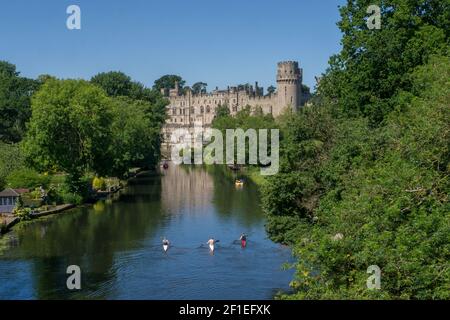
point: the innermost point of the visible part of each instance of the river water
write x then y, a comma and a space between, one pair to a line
117, 244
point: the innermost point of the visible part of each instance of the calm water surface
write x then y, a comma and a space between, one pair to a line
117, 244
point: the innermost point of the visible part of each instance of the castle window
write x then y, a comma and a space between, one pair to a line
202, 110
208, 109
174, 111
192, 110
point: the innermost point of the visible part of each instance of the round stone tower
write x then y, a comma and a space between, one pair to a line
289, 81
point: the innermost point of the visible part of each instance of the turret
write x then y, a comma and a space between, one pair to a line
289, 80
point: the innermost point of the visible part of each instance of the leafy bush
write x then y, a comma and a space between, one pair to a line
99, 183
71, 198
61, 194
27, 178
11, 159
384, 190
23, 214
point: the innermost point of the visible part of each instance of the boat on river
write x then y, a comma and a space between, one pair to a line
239, 183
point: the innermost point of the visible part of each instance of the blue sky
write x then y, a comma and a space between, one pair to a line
220, 42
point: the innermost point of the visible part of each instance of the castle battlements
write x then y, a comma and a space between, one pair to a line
187, 110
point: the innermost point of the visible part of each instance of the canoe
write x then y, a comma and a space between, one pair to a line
211, 246
165, 247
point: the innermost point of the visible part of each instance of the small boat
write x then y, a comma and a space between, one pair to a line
239, 183
165, 247
211, 247
243, 243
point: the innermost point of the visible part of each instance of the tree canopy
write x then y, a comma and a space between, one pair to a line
199, 87
15, 95
168, 82
373, 65
364, 172
69, 127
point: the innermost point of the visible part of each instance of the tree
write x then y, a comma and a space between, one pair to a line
271, 90
222, 111
199, 87
70, 129
135, 136
9, 152
118, 84
114, 83
15, 94
168, 82
373, 64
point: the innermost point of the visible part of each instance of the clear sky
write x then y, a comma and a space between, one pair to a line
220, 42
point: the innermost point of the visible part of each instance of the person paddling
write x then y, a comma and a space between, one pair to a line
211, 243
243, 239
166, 244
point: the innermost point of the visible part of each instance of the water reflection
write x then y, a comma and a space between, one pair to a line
117, 244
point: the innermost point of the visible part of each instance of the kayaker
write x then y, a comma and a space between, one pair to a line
165, 242
211, 242
243, 239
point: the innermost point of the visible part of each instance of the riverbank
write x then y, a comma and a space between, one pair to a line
8, 221
118, 245
254, 174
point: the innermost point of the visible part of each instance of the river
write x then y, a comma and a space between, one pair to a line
117, 244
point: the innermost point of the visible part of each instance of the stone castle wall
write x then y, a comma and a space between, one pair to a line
187, 110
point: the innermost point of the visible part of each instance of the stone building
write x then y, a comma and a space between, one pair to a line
187, 110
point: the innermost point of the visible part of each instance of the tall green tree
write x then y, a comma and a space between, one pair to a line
373, 65
199, 87
271, 90
15, 95
168, 82
114, 83
70, 129
118, 84
135, 136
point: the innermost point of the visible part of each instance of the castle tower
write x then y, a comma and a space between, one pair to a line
289, 81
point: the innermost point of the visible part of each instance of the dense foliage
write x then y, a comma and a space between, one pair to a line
106, 126
15, 94
8, 152
244, 119
168, 82
365, 171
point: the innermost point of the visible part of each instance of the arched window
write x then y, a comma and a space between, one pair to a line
192, 110
208, 109
202, 110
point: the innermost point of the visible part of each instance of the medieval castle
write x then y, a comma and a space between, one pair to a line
188, 110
